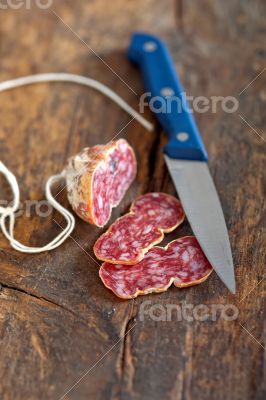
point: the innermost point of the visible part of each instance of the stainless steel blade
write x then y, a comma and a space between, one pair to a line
202, 206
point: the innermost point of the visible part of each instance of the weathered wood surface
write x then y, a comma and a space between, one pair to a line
57, 321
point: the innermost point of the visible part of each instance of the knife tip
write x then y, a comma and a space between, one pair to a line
231, 286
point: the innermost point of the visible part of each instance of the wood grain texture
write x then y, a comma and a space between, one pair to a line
58, 325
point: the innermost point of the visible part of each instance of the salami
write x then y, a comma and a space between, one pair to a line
182, 262
97, 179
132, 235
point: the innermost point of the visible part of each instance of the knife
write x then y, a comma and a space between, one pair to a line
185, 154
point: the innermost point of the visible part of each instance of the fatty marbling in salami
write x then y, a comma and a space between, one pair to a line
182, 262
97, 179
132, 235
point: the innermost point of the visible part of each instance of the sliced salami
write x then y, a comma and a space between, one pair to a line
131, 236
182, 262
97, 179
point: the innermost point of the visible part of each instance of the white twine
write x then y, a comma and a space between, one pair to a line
7, 214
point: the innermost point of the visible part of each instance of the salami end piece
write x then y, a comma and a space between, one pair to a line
182, 262
97, 179
131, 236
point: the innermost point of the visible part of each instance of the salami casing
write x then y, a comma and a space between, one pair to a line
131, 236
182, 262
97, 179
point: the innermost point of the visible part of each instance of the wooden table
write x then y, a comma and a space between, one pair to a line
63, 334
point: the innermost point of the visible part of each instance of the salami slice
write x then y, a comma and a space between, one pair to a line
182, 262
97, 179
131, 236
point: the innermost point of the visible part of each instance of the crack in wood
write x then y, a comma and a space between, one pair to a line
153, 158
179, 13
125, 348
71, 127
43, 299
35, 296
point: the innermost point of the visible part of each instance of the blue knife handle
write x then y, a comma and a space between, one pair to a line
165, 95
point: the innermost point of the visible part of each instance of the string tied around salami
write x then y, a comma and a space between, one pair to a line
9, 213
95, 158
